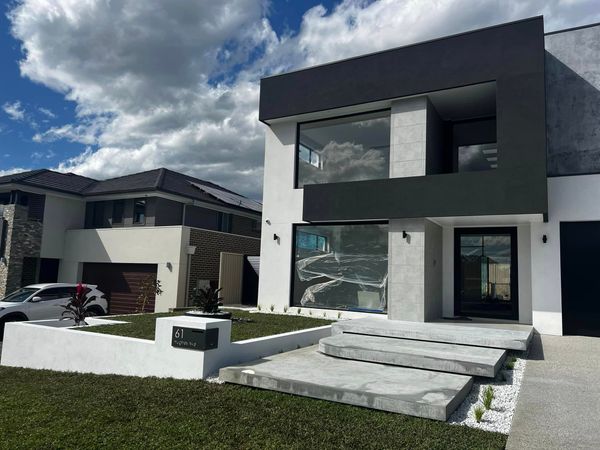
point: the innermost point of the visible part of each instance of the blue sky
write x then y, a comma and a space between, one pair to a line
105, 88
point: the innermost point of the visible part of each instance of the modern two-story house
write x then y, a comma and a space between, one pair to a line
118, 232
456, 178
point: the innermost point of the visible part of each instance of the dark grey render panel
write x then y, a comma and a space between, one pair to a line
198, 217
573, 101
512, 55
466, 194
506, 52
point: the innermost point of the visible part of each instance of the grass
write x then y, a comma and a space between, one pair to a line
142, 325
44, 409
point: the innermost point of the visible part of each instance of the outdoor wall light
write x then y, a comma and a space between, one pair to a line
268, 221
275, 237
404, 234
544, 238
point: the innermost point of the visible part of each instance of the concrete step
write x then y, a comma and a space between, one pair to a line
307, 372
510, 339
463, 359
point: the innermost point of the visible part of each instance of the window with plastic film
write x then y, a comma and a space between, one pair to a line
341, 267
349, 148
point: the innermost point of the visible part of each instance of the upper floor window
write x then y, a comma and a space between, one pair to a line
117, 213
139, 211
349, 148
477, 157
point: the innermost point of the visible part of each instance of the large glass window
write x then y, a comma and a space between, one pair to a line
341, 267
345, 149
472, 158
139, 211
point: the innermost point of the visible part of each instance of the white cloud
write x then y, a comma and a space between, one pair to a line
153, 81
14, 110
47, 112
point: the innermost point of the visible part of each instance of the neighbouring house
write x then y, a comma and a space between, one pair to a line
117, 232
458, 177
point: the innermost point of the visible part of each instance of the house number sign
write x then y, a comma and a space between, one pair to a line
195, 339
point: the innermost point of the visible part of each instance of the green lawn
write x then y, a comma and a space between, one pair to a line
142, 326
43, 409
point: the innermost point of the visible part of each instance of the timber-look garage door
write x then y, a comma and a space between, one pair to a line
580, 272
121, 284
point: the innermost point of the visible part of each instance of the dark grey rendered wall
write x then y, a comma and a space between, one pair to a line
573, 101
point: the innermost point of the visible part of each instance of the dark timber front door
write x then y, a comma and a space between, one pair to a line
580, 271
485, 272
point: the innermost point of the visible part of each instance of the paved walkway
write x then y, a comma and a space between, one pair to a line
559, 403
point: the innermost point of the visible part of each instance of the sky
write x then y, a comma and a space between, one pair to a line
104, 88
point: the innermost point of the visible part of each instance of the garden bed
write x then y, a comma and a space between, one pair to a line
253, 325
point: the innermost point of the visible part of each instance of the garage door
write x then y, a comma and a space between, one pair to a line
121, 283
580, 276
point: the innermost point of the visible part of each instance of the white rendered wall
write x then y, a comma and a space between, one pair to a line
50, 345
282, 206
60, 214
570, 199
164, 246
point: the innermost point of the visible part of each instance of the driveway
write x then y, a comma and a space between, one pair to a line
559, 402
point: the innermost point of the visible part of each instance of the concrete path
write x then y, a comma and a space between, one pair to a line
559, 402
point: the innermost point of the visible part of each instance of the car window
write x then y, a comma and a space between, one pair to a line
54, 293
19, 296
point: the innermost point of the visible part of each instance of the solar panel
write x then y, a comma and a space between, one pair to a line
230, 198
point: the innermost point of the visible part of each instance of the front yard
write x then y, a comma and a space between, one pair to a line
143, 325
43, 409
46, 409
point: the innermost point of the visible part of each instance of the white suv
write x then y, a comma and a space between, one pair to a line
43, 301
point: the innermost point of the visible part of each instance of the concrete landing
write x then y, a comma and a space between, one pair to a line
438, 332
466, 360
306, 372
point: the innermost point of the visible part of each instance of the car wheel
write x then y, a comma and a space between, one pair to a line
94, 312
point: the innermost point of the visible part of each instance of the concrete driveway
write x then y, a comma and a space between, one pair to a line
559, 402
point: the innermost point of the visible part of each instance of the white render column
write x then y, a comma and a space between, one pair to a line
414, 262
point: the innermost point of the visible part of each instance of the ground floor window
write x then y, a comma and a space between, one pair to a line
342, 266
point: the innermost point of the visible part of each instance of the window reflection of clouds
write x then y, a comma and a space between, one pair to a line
344, 149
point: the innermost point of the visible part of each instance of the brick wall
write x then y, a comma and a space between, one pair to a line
23, 239
209, 245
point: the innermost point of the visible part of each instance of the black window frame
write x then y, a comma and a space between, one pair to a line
344, 116
514, 269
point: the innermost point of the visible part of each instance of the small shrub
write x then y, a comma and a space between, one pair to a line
324, 315
207, 299
76, 307
510, 364
299, 311
478, 412
259, 307
488, 396
310, 313
339, 315
272, 308
149, 286
285, 309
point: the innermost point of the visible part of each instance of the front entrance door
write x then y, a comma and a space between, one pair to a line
485, 273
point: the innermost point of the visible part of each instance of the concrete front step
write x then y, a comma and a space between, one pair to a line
438, 332
307, 372
463, 359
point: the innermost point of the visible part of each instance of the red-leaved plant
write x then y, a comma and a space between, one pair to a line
76, 308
